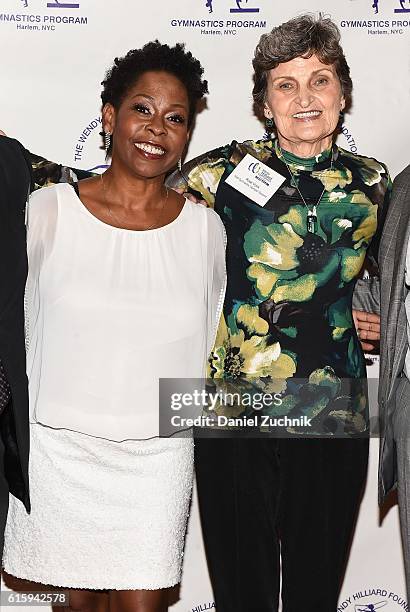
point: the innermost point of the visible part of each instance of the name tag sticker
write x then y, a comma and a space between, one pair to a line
255, 180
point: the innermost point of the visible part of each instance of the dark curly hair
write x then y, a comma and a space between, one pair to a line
302, 36
156, 57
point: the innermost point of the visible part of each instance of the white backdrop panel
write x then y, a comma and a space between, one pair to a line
54, 55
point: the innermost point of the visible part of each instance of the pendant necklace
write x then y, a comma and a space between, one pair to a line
312, 212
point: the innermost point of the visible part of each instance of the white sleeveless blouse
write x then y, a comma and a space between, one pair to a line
109, 311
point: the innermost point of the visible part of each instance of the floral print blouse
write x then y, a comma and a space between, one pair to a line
287, 322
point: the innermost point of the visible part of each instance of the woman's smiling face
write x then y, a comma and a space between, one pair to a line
304, 97
150, 128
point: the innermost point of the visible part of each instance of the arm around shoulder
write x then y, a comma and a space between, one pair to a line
200, 177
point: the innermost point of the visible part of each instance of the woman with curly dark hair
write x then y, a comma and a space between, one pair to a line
124, 287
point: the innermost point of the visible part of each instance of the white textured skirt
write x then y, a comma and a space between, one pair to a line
105, 515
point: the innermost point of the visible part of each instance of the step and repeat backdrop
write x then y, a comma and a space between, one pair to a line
54, 56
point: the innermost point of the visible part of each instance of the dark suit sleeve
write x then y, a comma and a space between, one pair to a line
15, 180
366, 296
16, 167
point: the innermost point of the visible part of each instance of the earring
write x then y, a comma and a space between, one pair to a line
269, 124
180, 165
107, 141
341, 118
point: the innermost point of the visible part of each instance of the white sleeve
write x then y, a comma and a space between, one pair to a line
216, 274
41, 228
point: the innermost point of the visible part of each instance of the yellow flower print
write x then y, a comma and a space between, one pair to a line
249, 317
271, 250
299, 290
352, 422
282, 369
264, 278
234, 357
334, 178
351, 263
326, 377
205, 179
338, 332
370, 170
296, 217
366, 229
277, 245
337, 196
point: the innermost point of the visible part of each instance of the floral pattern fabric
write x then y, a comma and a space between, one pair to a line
287, 322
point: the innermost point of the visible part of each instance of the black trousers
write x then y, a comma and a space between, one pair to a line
269, 505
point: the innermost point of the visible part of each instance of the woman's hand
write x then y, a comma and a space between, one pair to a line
368, 329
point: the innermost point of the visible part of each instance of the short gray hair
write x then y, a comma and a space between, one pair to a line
302, 36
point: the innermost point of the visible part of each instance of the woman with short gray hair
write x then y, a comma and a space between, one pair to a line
303, 37
289, 500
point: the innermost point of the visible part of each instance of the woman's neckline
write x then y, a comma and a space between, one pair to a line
302, 163
124, 229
